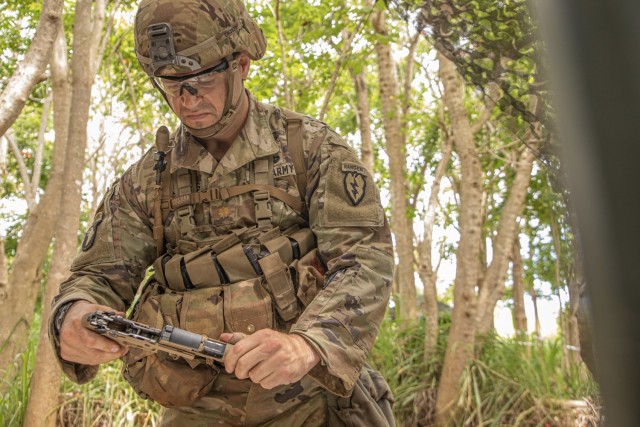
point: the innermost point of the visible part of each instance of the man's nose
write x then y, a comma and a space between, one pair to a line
188, 99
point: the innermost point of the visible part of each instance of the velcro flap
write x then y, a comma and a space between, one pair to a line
282, 246
280, 285
236, 265
173, 274
228, 242
305, 239
201, 268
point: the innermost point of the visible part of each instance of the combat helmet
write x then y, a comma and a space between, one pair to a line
174, 37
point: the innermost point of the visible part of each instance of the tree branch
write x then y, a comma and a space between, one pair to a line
22, 167
37, 167
28, 71
492, 99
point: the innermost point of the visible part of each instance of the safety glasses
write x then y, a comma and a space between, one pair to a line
203, 81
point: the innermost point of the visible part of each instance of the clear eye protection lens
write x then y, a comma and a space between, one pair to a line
201, 82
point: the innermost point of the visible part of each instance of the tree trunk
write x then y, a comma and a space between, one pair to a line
562, 322
87, 30
400, 223
519, 314
289, 99
493, 285
462, 333
45, 383
18, 87
40, 223
4, 272
425, 264
576, 284
363, 116
536, 313
573, 334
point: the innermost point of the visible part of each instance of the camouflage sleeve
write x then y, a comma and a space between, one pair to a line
354, 241
112, 260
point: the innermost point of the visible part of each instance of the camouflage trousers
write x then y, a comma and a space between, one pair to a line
234, 402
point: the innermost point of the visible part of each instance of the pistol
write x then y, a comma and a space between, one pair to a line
174, 341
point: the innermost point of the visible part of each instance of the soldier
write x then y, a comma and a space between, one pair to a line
263, 229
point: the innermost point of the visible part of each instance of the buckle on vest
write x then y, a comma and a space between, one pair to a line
263, 209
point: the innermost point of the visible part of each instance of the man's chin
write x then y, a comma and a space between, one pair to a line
199, 123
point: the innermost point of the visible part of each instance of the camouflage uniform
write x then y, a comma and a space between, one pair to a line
339, 317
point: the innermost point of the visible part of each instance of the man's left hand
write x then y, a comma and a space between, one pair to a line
268, 357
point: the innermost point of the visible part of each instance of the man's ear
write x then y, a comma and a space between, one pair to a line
244, 62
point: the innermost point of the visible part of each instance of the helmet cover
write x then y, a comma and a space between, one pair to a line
174, 37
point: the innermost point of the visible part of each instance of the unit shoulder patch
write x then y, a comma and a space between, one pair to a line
90, 237
355, 186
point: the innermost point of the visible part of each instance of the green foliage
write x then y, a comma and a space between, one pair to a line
490, 42
17, 380
107, 400
510, 382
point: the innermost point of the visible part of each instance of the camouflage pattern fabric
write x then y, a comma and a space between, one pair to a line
341, 317
208, 31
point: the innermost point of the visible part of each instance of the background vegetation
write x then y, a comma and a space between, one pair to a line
446, 102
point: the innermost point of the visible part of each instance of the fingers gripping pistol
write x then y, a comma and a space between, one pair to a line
174, 341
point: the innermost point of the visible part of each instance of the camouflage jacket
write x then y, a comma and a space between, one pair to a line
341, 319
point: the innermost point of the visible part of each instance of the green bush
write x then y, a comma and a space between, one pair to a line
511, 382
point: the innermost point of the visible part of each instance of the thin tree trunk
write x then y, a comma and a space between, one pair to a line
32, 182
519, 313
493, 285
87, 30
29, 192
563, 316
573, 334
562, 321
425, 264
462, 333
344, 54
18, 87
400, 223
363, 115
282, 41
536, 313
4, 272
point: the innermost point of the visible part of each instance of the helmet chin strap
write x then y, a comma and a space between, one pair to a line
230, 109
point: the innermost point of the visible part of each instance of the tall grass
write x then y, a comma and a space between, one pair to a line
106, 401
511, 382
16, 381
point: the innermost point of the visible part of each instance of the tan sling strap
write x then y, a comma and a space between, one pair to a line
295, 140
162, 171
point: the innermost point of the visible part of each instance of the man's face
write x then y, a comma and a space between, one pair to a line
198, 99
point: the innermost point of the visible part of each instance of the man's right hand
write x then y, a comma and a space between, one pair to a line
81, 345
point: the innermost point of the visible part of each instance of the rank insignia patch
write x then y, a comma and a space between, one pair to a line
355, 185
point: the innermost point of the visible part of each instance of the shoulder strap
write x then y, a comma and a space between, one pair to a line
295, 138
162, 167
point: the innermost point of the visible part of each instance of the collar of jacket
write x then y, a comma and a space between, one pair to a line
254, 141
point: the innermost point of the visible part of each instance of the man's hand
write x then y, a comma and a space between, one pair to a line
79, 344
269, 358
